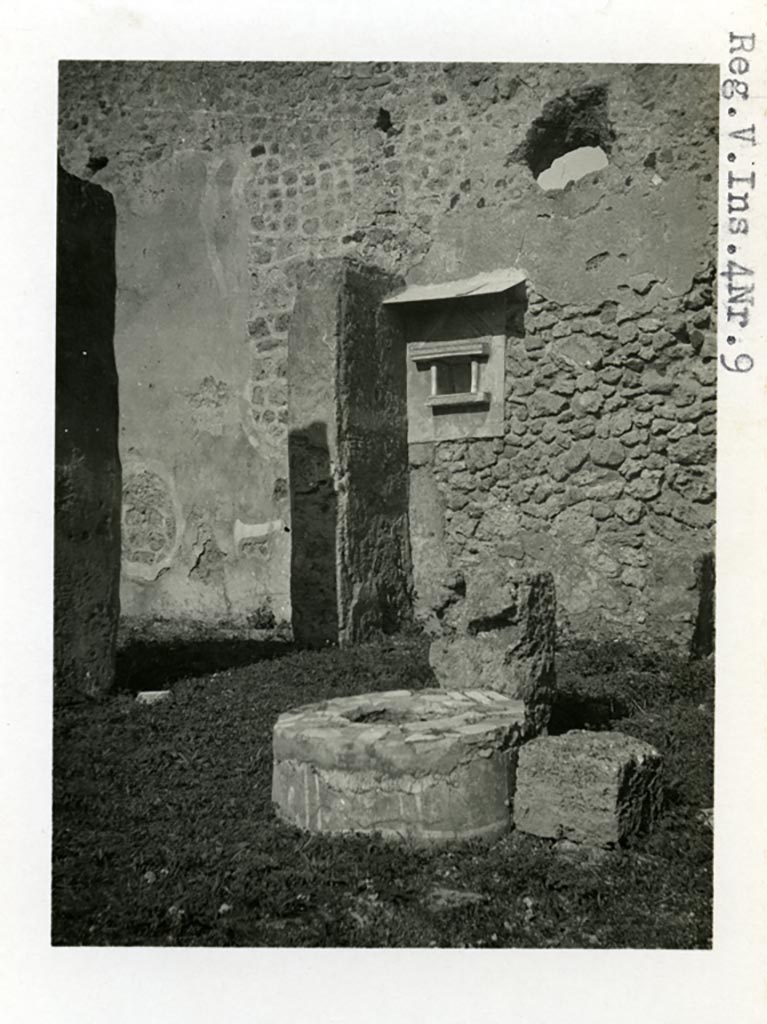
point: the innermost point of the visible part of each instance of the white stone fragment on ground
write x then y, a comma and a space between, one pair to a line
706, 817
428, 765
594, 788
153, 696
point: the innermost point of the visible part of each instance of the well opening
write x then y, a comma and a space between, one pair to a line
388, 716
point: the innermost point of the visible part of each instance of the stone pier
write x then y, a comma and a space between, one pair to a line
347, 447
88, 474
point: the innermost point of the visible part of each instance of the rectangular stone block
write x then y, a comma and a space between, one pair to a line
594, 788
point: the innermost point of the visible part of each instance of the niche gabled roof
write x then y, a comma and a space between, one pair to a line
489, 283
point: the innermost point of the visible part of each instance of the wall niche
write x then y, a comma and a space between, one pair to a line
456, 341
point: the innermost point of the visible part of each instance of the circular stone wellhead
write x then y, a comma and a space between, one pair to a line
431, 765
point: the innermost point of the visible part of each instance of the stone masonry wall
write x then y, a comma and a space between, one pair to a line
606, 472
428, 171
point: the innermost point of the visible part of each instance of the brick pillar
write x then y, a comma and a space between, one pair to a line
88, 476
350, 559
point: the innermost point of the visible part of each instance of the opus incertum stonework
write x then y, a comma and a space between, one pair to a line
395, 344
379, 323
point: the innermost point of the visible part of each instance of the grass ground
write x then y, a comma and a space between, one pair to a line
164, 832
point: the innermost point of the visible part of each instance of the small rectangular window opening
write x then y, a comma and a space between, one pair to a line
454, 377
455, 382
454, 371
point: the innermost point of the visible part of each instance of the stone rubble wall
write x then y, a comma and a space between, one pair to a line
605, 475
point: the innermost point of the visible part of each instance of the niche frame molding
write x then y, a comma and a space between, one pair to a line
456, 323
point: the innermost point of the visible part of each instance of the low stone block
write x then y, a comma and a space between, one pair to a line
425, 765
500, 636
594, 788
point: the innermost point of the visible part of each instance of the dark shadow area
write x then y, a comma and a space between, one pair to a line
459, 319
579, 711
383, 120
703, 635
454, 407
313, 587
88, 480
154, 665
516, 311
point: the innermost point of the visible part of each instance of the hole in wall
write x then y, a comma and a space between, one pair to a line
576, 121
595, 261
383, 121
97, 163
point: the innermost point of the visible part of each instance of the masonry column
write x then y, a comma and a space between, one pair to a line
88, 476
350, 558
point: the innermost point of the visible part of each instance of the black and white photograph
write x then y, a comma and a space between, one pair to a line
385, 504
386, 631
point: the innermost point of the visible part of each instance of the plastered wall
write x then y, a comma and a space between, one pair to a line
227, 177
